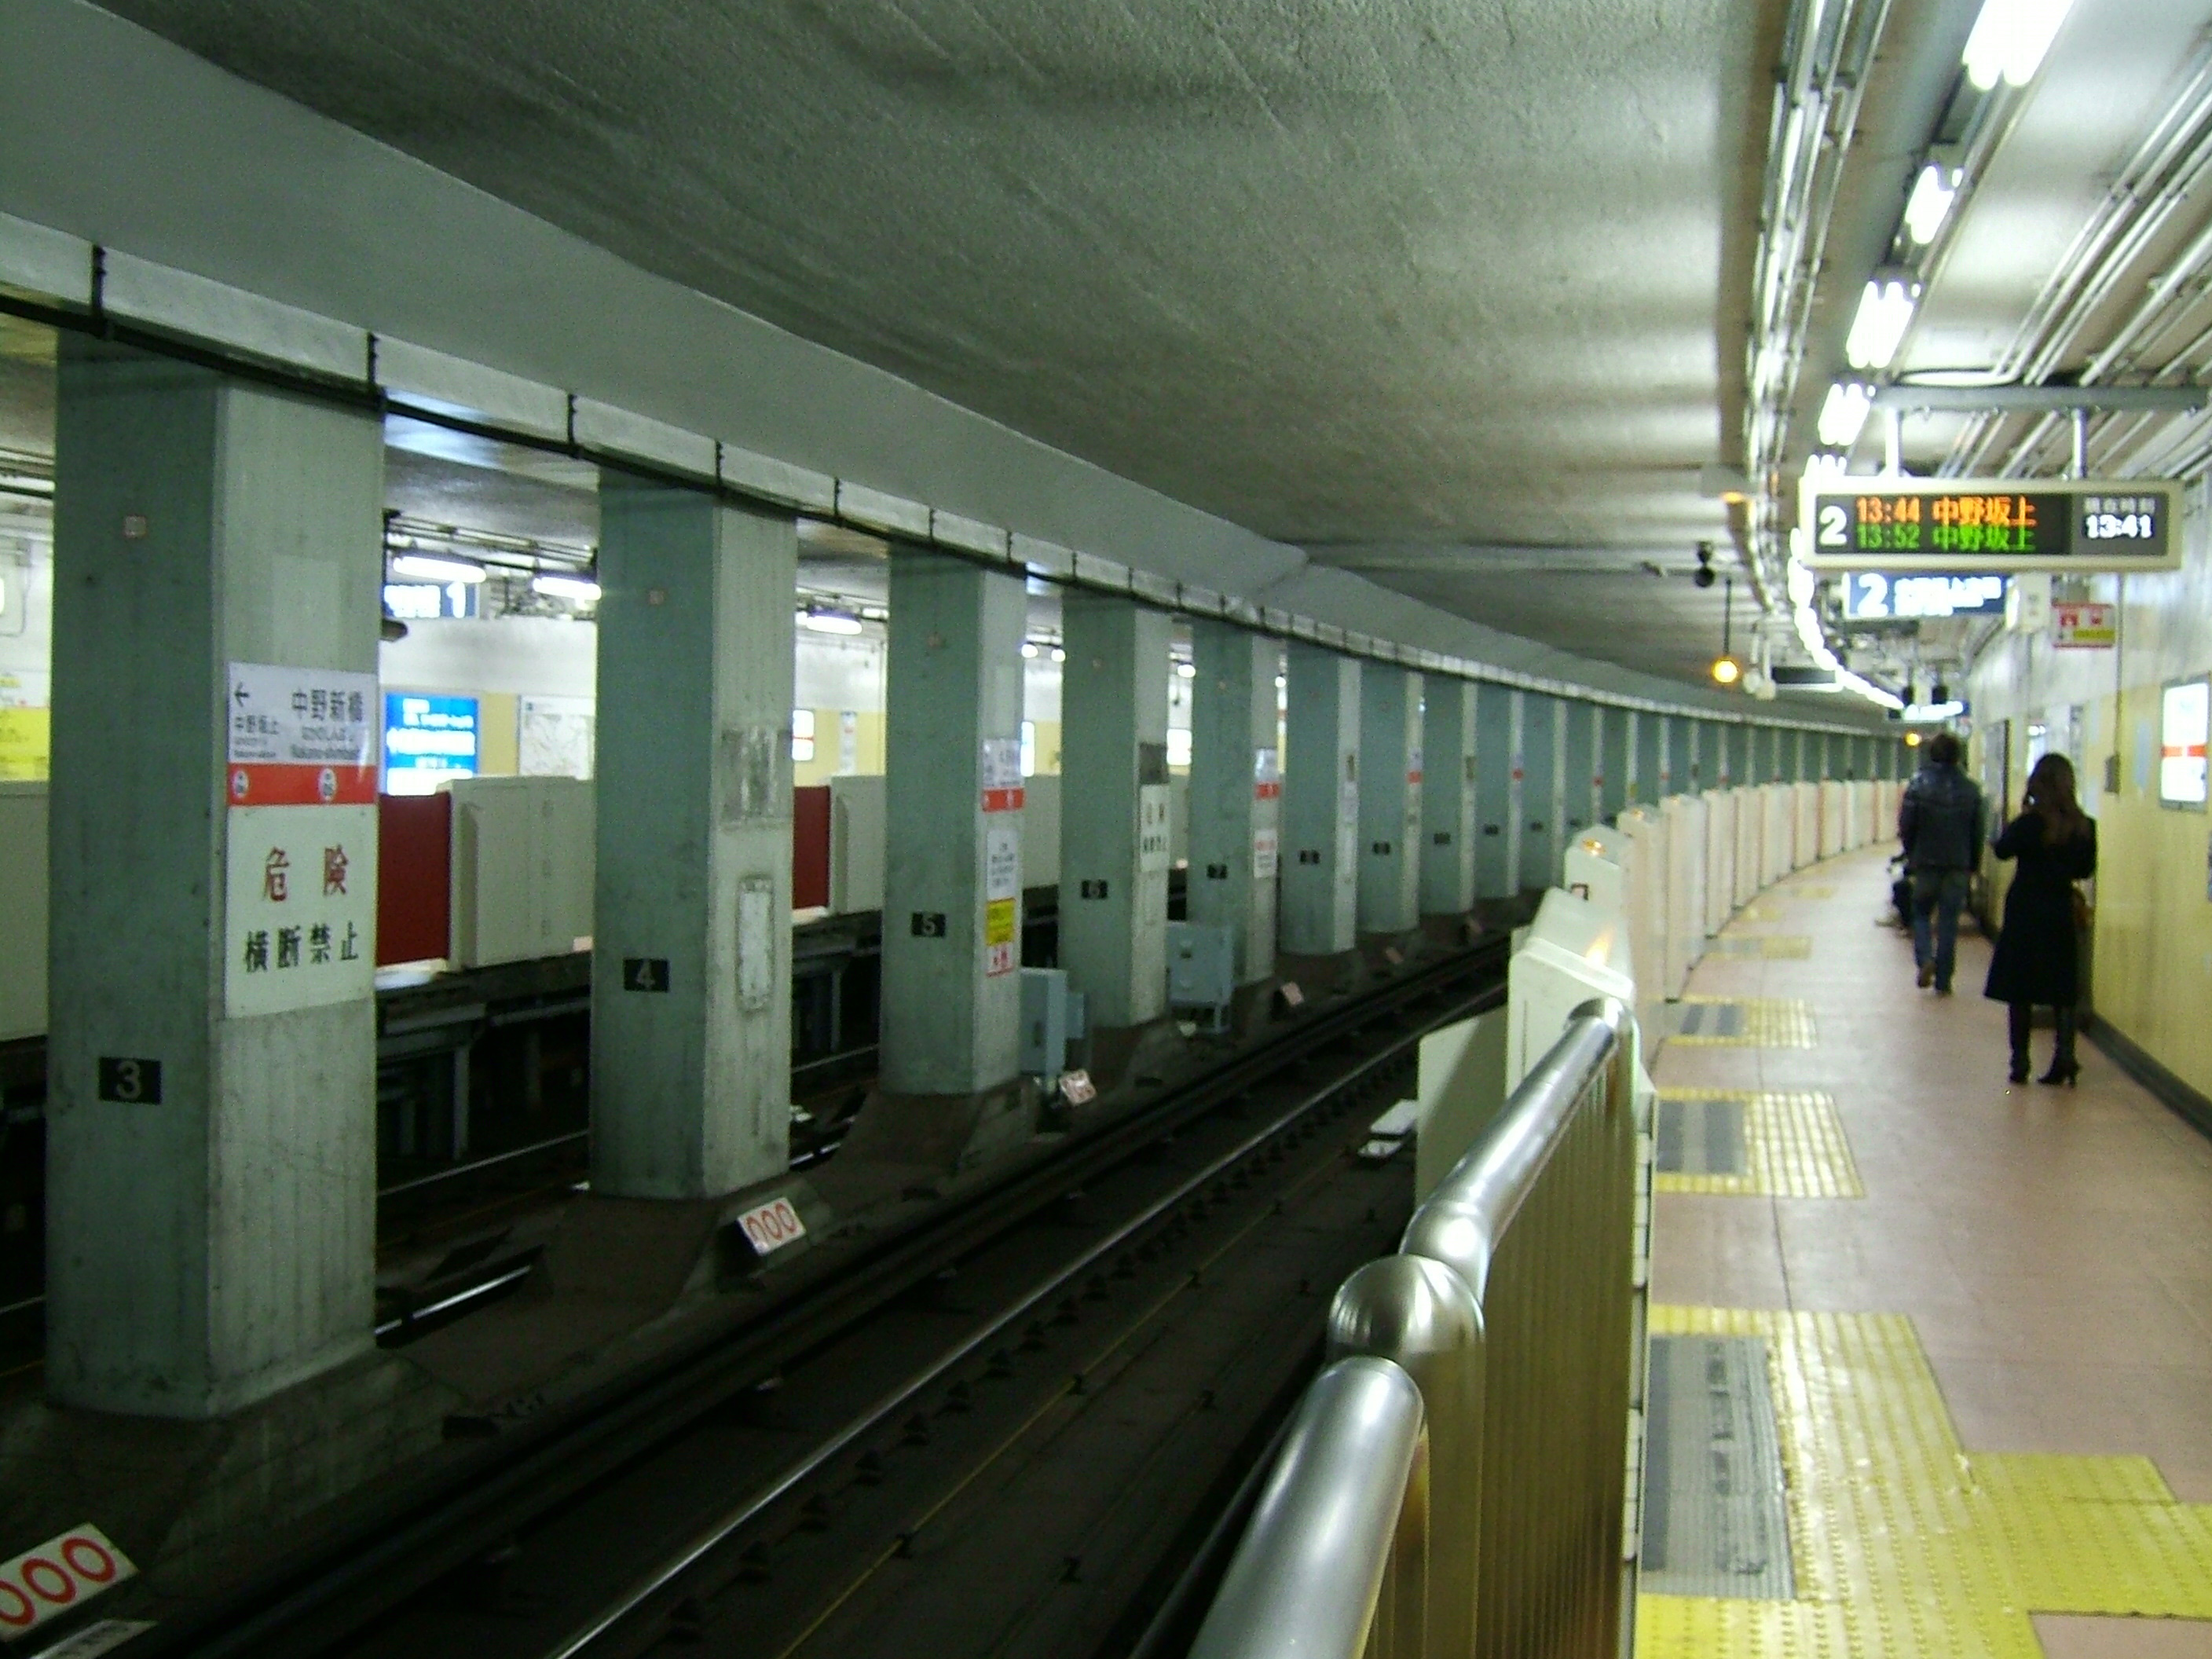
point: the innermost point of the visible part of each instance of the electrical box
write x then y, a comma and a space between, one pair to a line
1046, 1027
523, 858
1201, 970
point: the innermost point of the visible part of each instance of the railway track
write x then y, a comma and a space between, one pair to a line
1046, 1394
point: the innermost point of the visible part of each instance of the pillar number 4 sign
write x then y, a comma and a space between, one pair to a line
300, 856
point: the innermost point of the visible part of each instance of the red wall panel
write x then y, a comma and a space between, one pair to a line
809, 846
414, 851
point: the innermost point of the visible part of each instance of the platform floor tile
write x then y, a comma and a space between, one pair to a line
1741, 1021
1905, 1543
1794, 1146
1768, 947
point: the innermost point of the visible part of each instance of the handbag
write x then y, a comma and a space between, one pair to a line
2080, 907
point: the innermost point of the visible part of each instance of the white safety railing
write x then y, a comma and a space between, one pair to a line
1453, 1483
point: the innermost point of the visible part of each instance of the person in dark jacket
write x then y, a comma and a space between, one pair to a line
2037, 957
1939, 823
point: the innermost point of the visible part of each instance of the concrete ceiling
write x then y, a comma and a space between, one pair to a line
1461, 277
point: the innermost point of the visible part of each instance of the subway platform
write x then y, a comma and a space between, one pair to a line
1932, 1354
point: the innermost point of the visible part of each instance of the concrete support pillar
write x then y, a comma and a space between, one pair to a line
1236, 792
1541, 800
1617, 760
691, 986
1390, 801
952, 887
1694, 748
211, 1058
1450, 830
1673, 756
1114, 837
1577, 773
1497, 796
1321, 802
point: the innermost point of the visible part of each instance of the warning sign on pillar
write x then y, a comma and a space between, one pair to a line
300, 907
1267, 774
300, 737
1002, 892
1002, 775
57, 1578
1266, 854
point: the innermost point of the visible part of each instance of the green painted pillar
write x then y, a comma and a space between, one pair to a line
691, 946
953, 880
1114, 831
210, 1114
1236, 791
1451, 827
1321, 802
1390, 784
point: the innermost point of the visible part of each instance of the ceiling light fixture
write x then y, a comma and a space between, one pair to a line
1186, 671
830, 621
1885, 313
1929, 204
2010, 39
430, 568
1843, 413
1028, 650
578, 589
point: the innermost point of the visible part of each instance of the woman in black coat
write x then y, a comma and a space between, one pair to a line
2037, 957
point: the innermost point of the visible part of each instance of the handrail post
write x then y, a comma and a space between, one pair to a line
1421, 1316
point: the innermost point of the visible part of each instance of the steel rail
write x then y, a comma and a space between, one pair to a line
408, 1538
743, 1514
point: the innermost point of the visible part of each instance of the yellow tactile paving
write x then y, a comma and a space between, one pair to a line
1768, 1022
1794, 1147
1811, 891
1773, 947
1904, 1543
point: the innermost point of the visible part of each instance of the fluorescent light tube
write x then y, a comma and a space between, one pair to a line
1885, 313
1929, 204
1843, 413
2010, 39
581, 589
431, 568
830, 621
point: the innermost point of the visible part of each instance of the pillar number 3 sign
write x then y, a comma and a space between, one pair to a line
300, 853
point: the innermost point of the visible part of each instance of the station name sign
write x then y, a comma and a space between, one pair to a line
2001, 525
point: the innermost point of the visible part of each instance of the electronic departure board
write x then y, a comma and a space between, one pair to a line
1988, 523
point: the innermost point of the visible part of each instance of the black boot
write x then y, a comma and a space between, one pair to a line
2018, 1017
2064, 1068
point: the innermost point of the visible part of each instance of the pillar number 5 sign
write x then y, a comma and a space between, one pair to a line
300, 853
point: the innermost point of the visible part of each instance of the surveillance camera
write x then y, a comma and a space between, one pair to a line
1703, 576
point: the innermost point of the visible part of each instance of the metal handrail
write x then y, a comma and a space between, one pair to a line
1360, 1547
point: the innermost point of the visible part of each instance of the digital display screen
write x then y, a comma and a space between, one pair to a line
1885, 596
2006, 524
427, 740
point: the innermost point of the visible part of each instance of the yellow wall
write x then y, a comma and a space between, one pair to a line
25, 744
869, 757
2151, 972
499, 734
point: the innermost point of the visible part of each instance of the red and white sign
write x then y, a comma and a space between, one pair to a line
1002, 775
2083, 626
1077, 1089
57, 1576
1267, 776
772, 1225
300, 737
